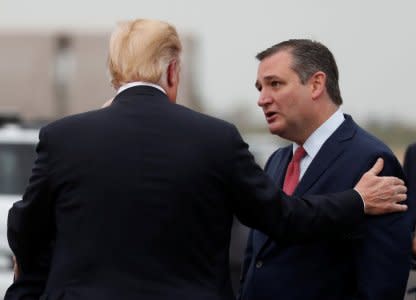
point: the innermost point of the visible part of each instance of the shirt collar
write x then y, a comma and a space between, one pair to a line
139, 83
315, 141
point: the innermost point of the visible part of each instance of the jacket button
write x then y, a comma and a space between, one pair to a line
259, 264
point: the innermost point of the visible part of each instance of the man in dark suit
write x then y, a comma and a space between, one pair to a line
135, 201
409, 167
300, 97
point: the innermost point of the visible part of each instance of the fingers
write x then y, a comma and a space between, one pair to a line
394, 180
386, 209
399, 197
396, 185
397, 190
401, 189
395, 207
381, 194
377, 167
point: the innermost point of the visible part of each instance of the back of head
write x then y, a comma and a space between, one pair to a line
310, 57
141, 50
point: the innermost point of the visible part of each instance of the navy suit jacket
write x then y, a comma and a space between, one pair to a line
136, 201
409, 167
370, 263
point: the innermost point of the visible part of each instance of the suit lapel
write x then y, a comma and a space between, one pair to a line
276, 169
329, 152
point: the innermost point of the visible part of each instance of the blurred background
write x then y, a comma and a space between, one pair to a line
53, 63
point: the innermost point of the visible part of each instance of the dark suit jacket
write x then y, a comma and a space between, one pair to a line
409, 167
135, 201
372, 263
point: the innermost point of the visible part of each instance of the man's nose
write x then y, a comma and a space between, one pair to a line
264, 99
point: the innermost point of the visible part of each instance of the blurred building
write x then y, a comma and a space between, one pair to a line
47, 75
26, 79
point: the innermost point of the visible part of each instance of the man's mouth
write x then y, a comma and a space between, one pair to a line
270, 116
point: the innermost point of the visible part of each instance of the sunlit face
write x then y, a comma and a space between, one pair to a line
283, 98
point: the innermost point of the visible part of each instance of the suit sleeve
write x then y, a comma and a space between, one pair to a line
258, 203
248, 257
248, 254
383, 254
30, 230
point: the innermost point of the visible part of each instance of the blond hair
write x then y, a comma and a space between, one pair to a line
141, 50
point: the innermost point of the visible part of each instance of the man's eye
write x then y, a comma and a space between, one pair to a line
275, 83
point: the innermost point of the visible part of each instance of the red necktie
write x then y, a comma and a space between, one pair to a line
293, 171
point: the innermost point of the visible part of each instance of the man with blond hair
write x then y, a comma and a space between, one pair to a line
136, 200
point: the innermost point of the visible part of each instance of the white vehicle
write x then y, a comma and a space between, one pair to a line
17, 153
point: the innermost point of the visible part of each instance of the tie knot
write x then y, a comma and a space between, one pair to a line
299, 154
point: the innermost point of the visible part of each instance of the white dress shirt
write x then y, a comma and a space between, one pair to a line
139, 83
315, 141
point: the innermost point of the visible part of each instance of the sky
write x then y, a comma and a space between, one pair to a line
374, 43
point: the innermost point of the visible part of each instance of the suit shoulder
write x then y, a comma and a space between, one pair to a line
369, 147
200, 120
201, 117
70, 121
367, 140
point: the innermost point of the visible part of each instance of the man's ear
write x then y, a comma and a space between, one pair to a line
172, 80
173, 73
318, 84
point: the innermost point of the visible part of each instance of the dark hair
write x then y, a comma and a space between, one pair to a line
310, 57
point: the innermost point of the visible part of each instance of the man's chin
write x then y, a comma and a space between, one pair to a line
276, 130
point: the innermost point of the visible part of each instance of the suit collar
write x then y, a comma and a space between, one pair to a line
330, 150
142, 91
139, 83
315, 141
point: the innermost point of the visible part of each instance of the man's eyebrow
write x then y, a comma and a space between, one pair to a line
270, 77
